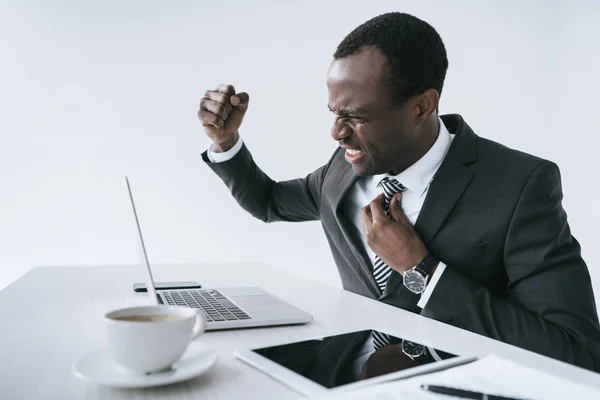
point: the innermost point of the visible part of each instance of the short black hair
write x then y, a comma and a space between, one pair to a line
415, 52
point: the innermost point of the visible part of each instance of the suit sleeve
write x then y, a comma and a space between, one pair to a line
550, 308
294, 200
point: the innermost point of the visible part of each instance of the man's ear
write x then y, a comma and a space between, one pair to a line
427, 103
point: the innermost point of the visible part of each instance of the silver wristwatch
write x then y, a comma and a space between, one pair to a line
413, 350
415, 279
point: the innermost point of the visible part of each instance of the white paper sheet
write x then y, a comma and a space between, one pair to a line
491, 375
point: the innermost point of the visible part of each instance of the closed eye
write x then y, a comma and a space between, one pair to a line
347, 114
353, 117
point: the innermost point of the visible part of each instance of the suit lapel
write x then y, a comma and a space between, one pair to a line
445, 190
347, 179
450, 181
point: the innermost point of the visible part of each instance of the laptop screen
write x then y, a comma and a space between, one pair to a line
142, 247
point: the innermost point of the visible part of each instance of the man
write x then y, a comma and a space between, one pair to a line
419, 211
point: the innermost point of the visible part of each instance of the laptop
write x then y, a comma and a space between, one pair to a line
225, 308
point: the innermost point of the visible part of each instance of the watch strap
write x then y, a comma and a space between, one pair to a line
426, 266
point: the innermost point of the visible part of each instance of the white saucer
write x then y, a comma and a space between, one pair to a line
98, 368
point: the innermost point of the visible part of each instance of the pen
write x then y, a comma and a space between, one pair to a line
465, 394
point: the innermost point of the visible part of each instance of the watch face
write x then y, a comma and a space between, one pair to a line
413, 350
414, 281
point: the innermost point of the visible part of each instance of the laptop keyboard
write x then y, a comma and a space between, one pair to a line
216, 307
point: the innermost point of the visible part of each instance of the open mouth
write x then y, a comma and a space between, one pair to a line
353, 156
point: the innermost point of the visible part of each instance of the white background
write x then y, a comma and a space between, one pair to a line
90, 91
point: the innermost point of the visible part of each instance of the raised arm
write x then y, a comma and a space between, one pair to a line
222, 112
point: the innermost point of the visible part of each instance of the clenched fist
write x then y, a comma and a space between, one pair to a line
221, 113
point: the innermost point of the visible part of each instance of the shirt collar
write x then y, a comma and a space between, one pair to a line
417, 177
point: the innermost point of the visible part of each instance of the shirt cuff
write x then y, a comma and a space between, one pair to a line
215, 157
431, 285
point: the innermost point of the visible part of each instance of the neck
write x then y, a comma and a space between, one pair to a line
425, 138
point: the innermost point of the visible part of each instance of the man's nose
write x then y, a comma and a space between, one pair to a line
340, 131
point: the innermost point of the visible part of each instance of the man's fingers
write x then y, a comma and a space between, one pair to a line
208, 118
218, 97
227, 89
241, 100
376, 207
215, 108
364, 226
365, 219
396, 210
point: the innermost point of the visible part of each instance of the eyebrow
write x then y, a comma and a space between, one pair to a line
349, 111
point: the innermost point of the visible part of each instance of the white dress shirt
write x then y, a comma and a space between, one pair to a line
415, 178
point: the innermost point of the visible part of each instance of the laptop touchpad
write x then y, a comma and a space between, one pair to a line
258, 301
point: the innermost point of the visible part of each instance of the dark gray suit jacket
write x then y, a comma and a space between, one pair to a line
492, 214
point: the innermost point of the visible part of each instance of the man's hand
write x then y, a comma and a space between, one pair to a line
395, 241
221, 113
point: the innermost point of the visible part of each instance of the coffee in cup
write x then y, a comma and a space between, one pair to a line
150, 339
147, 318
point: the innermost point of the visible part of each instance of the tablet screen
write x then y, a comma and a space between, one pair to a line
339, 360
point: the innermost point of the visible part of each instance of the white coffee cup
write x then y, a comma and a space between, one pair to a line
151, 338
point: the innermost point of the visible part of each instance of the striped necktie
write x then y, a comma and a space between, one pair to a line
381, 271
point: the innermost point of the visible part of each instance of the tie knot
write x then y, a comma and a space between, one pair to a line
390, 187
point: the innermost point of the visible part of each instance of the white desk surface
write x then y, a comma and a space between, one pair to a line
53, 315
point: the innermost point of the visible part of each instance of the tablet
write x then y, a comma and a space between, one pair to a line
348, 361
